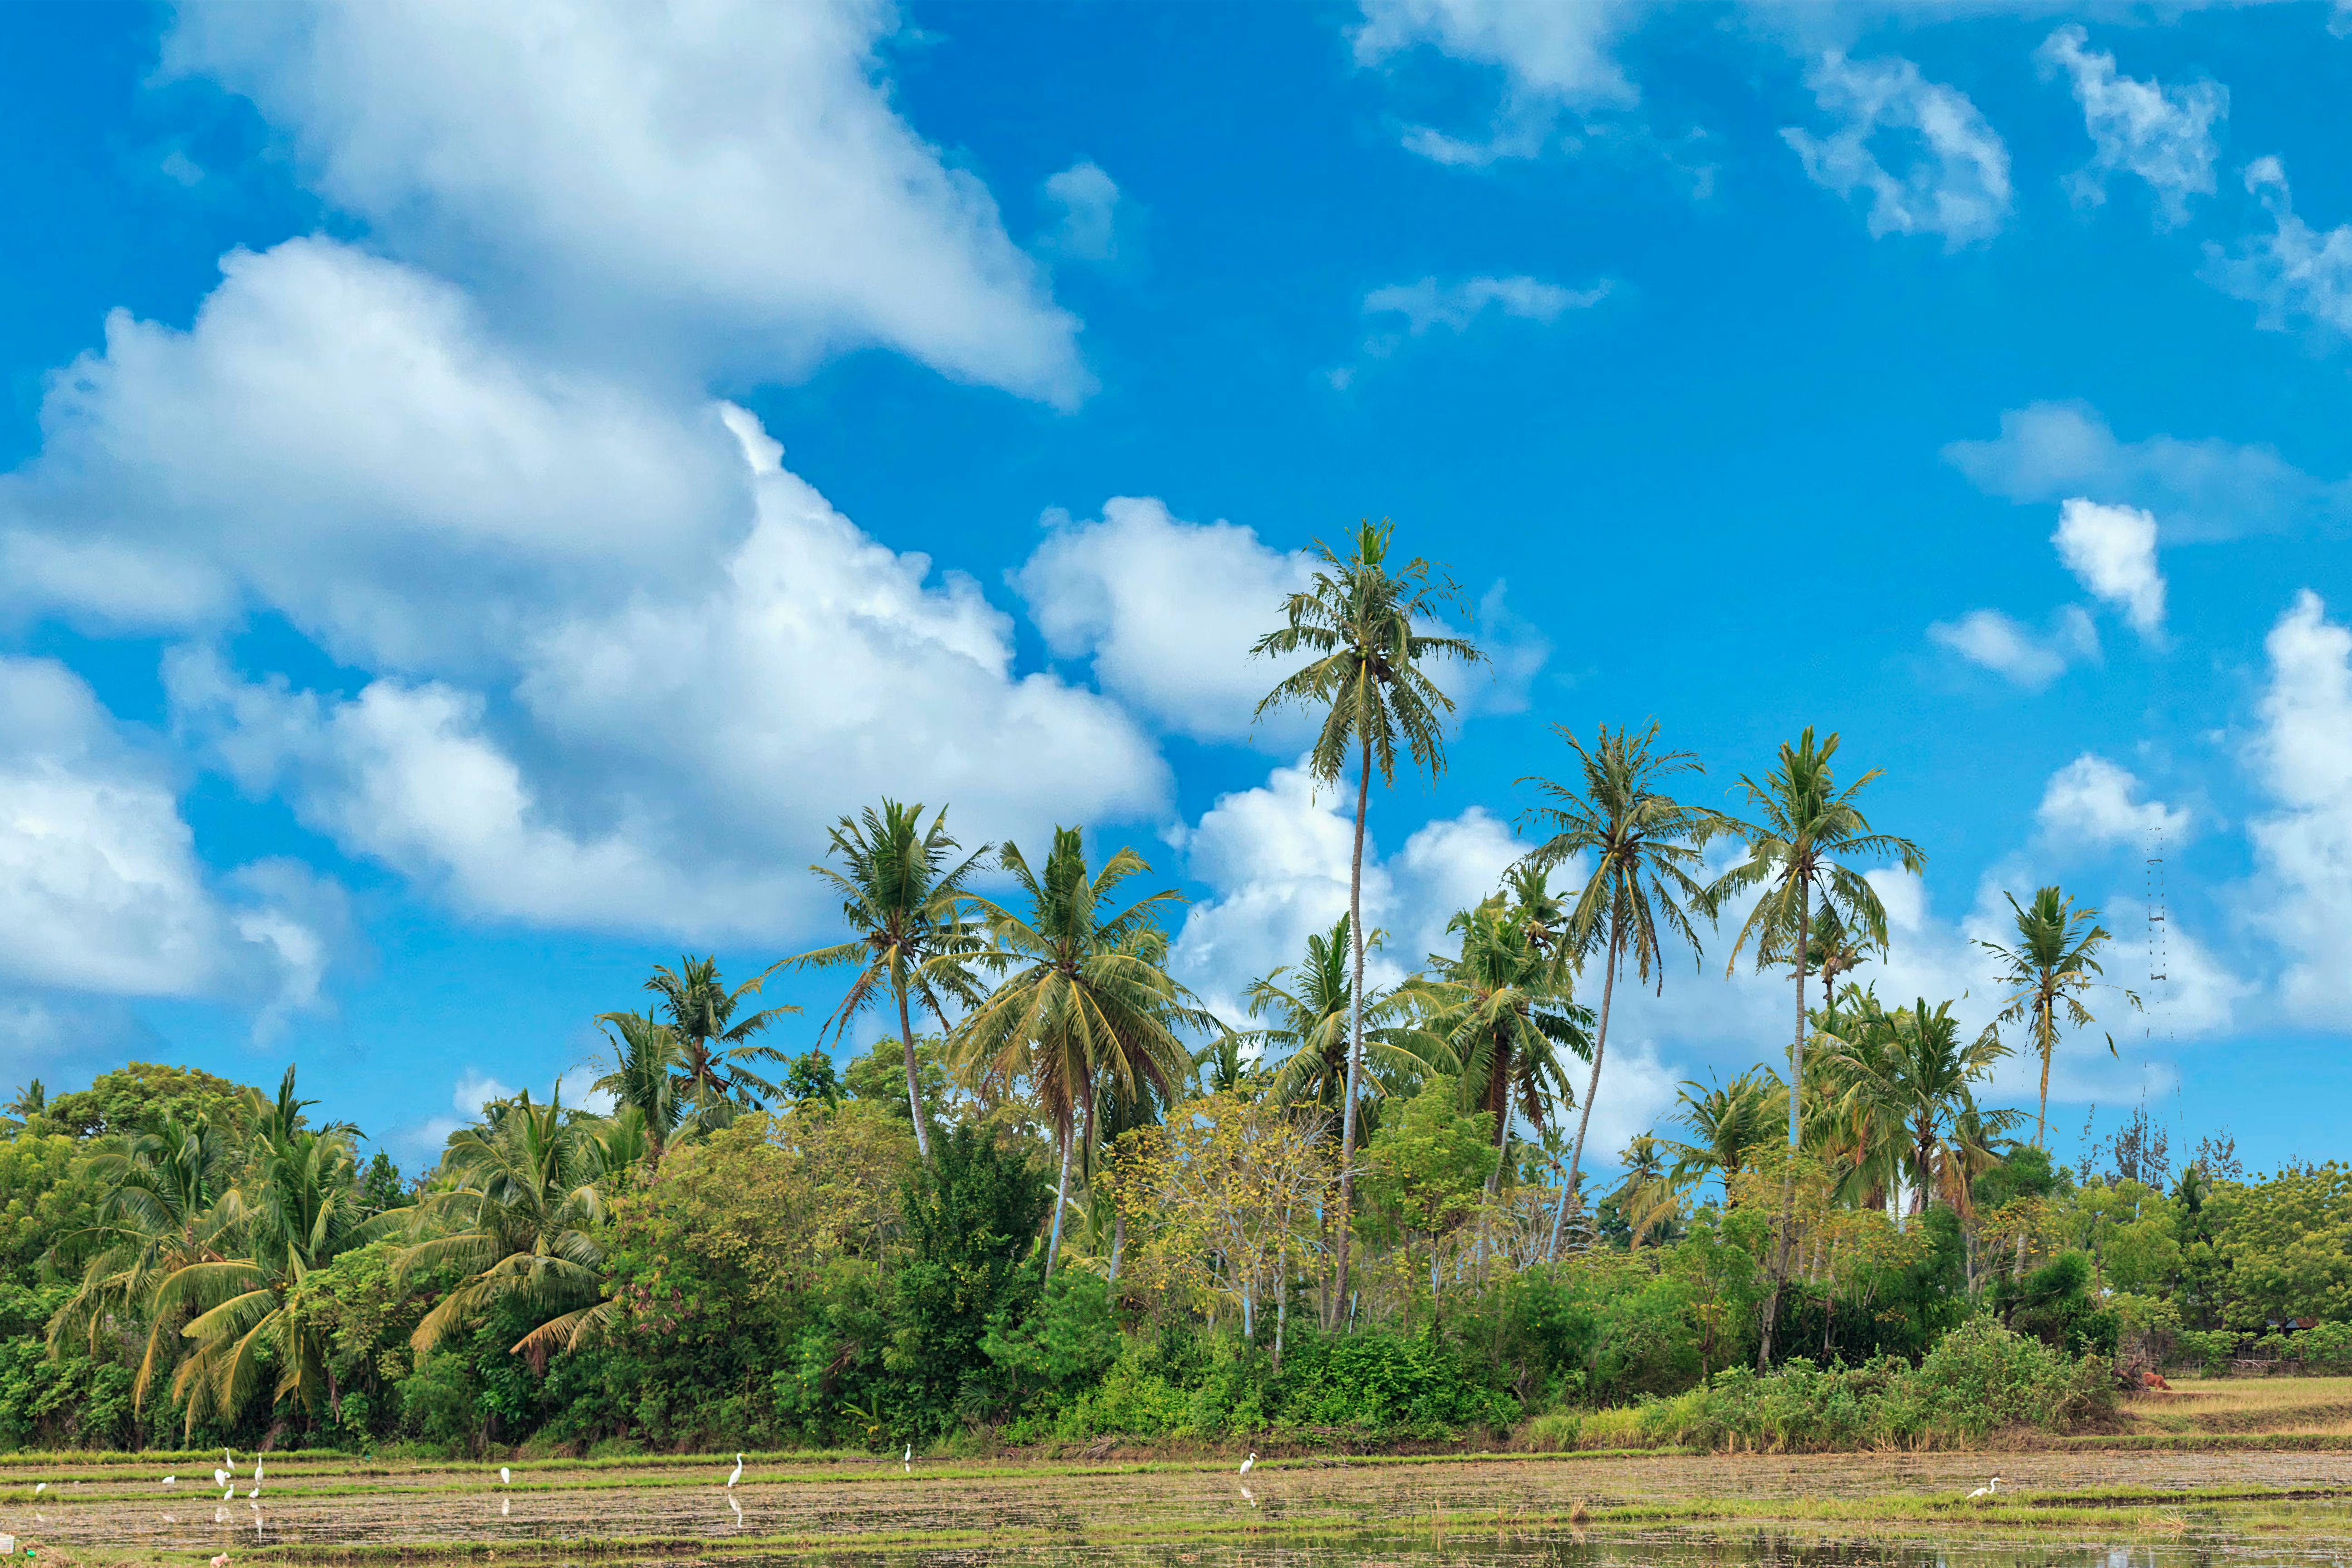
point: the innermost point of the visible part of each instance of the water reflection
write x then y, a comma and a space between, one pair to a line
1588, 1549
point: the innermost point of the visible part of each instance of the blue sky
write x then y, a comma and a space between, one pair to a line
482, 489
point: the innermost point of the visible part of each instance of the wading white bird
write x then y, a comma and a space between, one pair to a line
220, 1477
1249, 1463
221, 1560
506, 1477
40, 1488
257, 1470
736, 1474
1988, 1490
171, 1481
251, 1495
228, 1491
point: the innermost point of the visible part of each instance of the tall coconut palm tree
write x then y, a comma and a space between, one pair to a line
1504, 1013
169, 1203
644, 1078
1308, 1009
518, 1222
1916, 1071
1728, 1122
1648, 1195
1085, 1000
904, 895
307, 1210
2055, 963
715, 1048
1804, 851
1364, 629
1644, 847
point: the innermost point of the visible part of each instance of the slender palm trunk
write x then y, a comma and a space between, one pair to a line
1061, 1197
2041, 1109
1117, 1240
1591, 1088
1355, 1019
1796, 1096
914, 1090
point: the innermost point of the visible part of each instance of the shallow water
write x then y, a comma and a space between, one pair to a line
1349, 1516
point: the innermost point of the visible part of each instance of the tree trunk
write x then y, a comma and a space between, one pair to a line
914, 1089
2041, 1109
1355, 1019
1117, 1240
1584, 1118
1281, 1307
1795, 1098
1061, 1197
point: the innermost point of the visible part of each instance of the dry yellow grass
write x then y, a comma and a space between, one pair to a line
2244, 1405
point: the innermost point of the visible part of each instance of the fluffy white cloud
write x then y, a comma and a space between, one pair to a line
2112, 550
1959, 189
1088, 201
2293, 273
100, 888
338, 437
1455, 306
727, 181
649, 769
2017, 652
2092, 802
1167, 612
2198, 489
2301, 759
2163, 135
1275, 859
1552, 56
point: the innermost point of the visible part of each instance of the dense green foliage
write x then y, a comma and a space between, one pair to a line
1359, 1222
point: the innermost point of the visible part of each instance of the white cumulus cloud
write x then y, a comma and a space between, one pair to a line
2302, 759
101, 890
2164, 135
1429, 303
2294, 272
1088, 203
2198, 489
1167, 611
727, 182
1957, 187
1275, 859
2092, 802
2112, 550
651, 768
2017, 652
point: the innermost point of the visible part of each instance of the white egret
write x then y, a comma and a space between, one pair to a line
221, 1560
220, 1477
171, 1481
256, 1468
40, 1488
251, 1495
736, 1474
228, 1491
907, 1460
1988, 1490
1250, 1463
506, 1477
228, 1458
169, 1519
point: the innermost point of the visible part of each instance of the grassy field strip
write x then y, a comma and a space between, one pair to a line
293, 1480
1882, 1514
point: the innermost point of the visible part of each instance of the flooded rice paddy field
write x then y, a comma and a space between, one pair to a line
1511, 1513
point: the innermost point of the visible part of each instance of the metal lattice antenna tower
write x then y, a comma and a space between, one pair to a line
2159, 928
